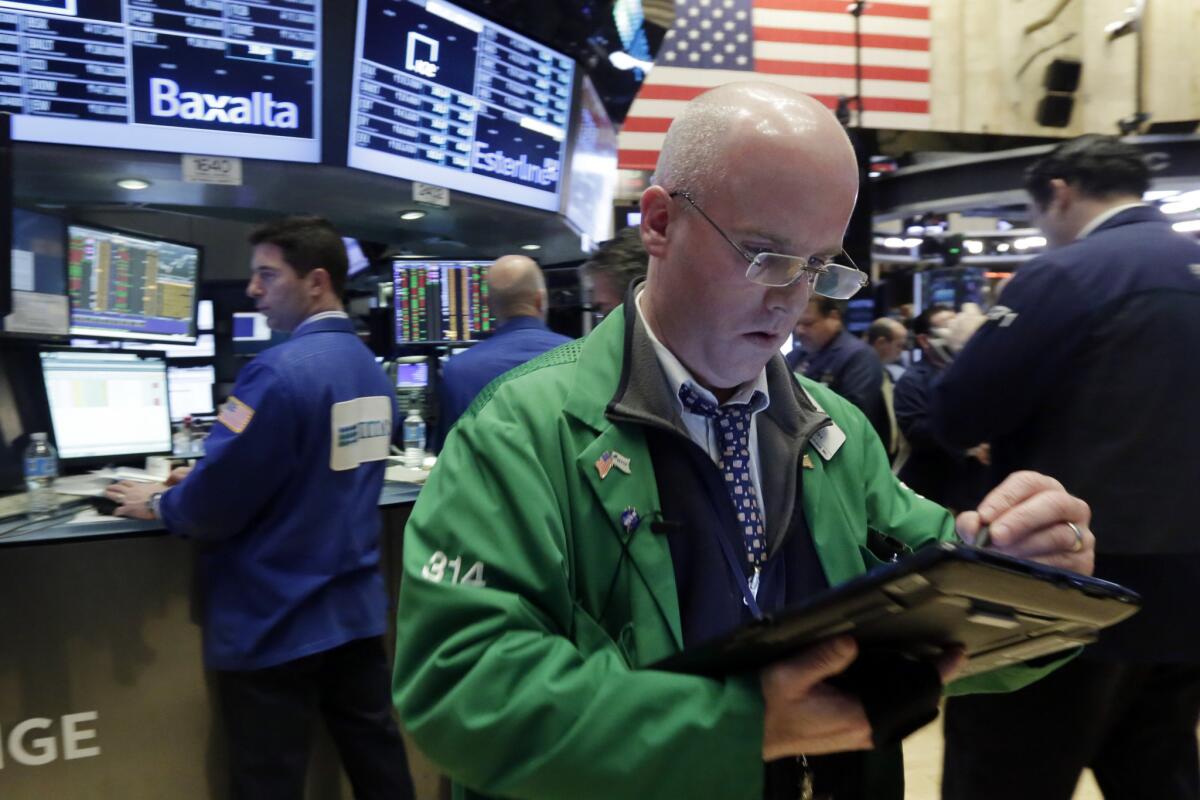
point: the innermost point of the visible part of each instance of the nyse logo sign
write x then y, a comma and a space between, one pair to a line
260, 109
34, 743
413, 63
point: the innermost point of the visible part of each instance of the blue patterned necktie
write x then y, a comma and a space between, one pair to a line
733, 431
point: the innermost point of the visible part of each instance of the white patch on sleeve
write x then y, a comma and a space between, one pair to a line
361, 430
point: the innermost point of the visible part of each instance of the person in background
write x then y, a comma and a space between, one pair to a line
953, 477
1087, 371
888, 338
829, 354
519, 301
617, 263
285, 504
658, 483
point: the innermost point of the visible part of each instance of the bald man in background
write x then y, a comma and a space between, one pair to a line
518, 299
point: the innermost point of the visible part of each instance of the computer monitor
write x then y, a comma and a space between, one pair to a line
412, 373
444, 96
38, 270
204, 315
441, 301
252, 334
107, 405
211, 78
191, 391
127, 286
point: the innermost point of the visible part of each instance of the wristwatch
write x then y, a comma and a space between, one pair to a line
153, 503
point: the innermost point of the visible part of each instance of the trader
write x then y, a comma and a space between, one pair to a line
641, 490
518, 298
286, 505
1087, 371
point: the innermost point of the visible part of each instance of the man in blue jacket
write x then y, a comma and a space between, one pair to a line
518, 299
1087, 371
286, 505
828, 353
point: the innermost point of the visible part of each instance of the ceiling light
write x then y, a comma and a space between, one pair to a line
409, 216
133, 184
974, 246
531, 247
910, 243
1159, 194
1002, 247
1187, 226
893, 241
1030, 241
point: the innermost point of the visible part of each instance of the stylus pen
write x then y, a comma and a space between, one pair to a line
984, 537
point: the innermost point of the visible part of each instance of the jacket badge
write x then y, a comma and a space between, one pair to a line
630, 519
604, 464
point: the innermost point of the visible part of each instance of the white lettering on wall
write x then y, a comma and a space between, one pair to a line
24, 746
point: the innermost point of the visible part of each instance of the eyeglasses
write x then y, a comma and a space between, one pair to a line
776, 269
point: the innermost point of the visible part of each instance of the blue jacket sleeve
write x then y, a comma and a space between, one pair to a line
1008, 367
861, 381
241, 472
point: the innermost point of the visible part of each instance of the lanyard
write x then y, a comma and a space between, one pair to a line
749, 587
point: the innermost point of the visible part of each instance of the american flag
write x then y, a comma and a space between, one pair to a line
804, 44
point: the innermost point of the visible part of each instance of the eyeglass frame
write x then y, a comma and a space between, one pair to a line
807, 269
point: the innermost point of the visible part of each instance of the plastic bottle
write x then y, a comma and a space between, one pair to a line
41, 468
414, 439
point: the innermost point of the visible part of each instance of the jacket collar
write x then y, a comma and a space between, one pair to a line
324, 325
1129, 216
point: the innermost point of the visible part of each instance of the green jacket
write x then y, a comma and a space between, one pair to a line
526, 609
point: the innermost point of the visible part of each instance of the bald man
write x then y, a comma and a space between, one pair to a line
666, 480
517, 295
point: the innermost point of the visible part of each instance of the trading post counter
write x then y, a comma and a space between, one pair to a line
102, 688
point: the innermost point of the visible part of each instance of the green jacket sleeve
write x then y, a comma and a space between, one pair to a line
500, 676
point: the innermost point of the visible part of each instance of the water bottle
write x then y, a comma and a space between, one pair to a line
414, 440
41, 468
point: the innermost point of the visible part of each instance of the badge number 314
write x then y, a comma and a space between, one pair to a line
435, 571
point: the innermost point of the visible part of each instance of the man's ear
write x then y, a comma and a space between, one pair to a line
1062, 194
656, 217
319, 281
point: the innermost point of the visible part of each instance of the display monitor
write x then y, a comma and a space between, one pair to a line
38, 269
204, 315
592, 180
107, 404
190, 391
252, 334
412, 374
216, 78
447, 97
441, 301
126, 286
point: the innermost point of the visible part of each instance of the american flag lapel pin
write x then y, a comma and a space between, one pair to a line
604, 464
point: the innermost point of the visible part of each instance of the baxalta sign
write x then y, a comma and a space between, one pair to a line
259, 109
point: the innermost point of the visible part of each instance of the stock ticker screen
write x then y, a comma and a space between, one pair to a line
129, 287
446, 97
445, 301
195, 76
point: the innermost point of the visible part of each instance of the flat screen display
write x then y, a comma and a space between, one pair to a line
124, 286
592, 180
191, 76
252, 335
190, 390
107, 404
39, 276
446, 97
412, 375
441, 301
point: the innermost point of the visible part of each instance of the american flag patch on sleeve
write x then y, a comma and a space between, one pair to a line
235, 415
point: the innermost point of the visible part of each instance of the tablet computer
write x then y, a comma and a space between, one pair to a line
1003, 610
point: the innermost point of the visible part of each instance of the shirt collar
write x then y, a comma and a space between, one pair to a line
678, 375
323, 315
1104, 217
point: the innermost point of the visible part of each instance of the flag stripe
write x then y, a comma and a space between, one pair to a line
836, 7
684, 84
832, 54
799, 36
772, 67
841, 23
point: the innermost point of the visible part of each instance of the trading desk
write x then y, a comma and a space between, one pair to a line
102, 688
